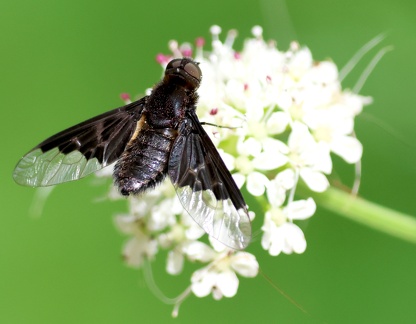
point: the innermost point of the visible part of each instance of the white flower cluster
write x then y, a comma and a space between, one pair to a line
285, 114
290, 112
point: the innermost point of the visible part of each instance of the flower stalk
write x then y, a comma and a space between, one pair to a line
362, 211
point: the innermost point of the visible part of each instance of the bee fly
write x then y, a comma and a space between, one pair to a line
148, 139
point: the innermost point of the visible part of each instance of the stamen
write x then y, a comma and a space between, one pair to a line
294, 46
213, 111
215, 30
125, 97
216, 43
199, 43
186, 49
173, 46
257, 32
231, 36
162, 59
272, 43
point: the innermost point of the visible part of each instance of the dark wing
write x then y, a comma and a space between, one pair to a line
81, 149
206, 188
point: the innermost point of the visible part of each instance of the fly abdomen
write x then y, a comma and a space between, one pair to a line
144, 162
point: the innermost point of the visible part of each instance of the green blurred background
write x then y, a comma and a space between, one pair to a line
65, 61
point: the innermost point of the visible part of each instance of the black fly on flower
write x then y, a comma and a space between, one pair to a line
293, 113
151, 138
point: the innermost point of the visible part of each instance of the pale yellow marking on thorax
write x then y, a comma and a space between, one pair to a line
139, 127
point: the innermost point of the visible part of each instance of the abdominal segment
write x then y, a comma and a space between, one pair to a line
144, 162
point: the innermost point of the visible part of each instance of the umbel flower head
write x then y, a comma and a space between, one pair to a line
282, 114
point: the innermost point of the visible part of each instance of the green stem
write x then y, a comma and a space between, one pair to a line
373, 215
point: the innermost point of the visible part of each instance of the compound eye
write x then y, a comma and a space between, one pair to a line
174, 64
193, 70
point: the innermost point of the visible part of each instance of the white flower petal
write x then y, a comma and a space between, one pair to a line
177, 208
318, 157
271, 239
354, 103
286, 238
267, 161
323, 160
277, 122
234, 90
294, 239
194, 231
301, 209
228, 159
217, 245
165, 240
256, 183
276, 242
300, 63
137, 248
266, 239
347, 147
174, 264
315, 180
133, 252
161, 215
286, 178
271, 146
300, 138
202, 282
126, 223
198, 251
249, 147
245, 264
284, 100
217, 293
239, 179
273, 155
276, 194
251, 215
325, 72
227, 283
276, 189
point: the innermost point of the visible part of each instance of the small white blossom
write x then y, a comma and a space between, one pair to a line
277, 122
182, 239
257, 183
277, 188
312, 159
140, 245
219, 277
286, 238
280, 234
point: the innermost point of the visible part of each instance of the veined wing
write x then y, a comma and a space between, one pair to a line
206, 188
80, 149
